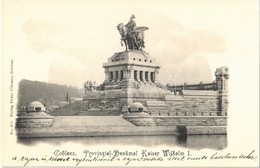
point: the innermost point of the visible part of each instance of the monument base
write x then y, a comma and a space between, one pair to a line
34, 120
121, 99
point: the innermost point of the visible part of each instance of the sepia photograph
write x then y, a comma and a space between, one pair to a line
130, 83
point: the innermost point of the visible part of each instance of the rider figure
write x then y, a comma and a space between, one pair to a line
131, 25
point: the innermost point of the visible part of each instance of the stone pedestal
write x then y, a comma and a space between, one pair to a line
222, 75
34, 117
134, 68
34, 120
137, 109
131, 76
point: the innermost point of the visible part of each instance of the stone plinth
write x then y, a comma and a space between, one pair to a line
206, 130
177, 120
121, 99
131, 76
141, 114
137, 109
130, 69
89, 126
34, 117
34, 120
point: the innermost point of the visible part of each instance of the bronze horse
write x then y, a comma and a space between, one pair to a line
133, 40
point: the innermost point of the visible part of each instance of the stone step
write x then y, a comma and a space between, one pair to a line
157, 108
173, 98
156, 103
154, 114
164, 113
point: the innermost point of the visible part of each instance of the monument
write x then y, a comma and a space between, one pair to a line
132, 92
130, 76
34, 116
131, 87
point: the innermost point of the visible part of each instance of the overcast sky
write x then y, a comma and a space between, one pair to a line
66, 42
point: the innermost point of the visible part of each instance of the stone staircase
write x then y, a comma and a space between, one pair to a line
70, 109
157, 108
80, 108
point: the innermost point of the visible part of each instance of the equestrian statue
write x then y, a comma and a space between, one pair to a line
132, 36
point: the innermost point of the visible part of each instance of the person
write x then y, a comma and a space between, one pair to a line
131, 25
132, 35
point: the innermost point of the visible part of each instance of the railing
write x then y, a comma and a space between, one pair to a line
200, 86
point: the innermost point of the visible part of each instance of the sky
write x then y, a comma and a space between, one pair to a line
66, 42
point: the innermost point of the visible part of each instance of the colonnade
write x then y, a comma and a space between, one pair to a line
144, 76
139, 76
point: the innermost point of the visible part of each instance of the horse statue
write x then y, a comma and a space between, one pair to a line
89, 86
133, 39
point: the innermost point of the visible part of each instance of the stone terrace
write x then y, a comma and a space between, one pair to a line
73, 126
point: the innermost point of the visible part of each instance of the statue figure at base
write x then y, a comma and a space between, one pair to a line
132, 36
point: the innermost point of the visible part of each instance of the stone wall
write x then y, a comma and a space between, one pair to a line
194, 103
34, 120
177, 120
209, 130
122, 98
190, 103
197, 111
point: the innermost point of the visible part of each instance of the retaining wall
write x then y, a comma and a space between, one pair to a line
177, 120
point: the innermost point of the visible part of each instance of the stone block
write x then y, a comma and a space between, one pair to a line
177, 105
189, 113
207, 130
164, 113
154, 114
125, 109
194, 106
173, 98
94, 110
181, 113
221, 121
198, 114
172, 113
156, 103
179, 120
214, 114
140, 114
206, 114
171, 109
201, 92
34, 120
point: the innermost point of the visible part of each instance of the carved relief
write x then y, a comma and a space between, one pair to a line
104, 104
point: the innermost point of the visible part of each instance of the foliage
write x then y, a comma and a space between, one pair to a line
50, 93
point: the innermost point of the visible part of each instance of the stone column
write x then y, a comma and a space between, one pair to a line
149, 76
152, 76
156, 73
141, 76
114, 77
131, 74
110, 76
125, 74
130, 78
121, 75
138, 76
106, 74
222, 75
